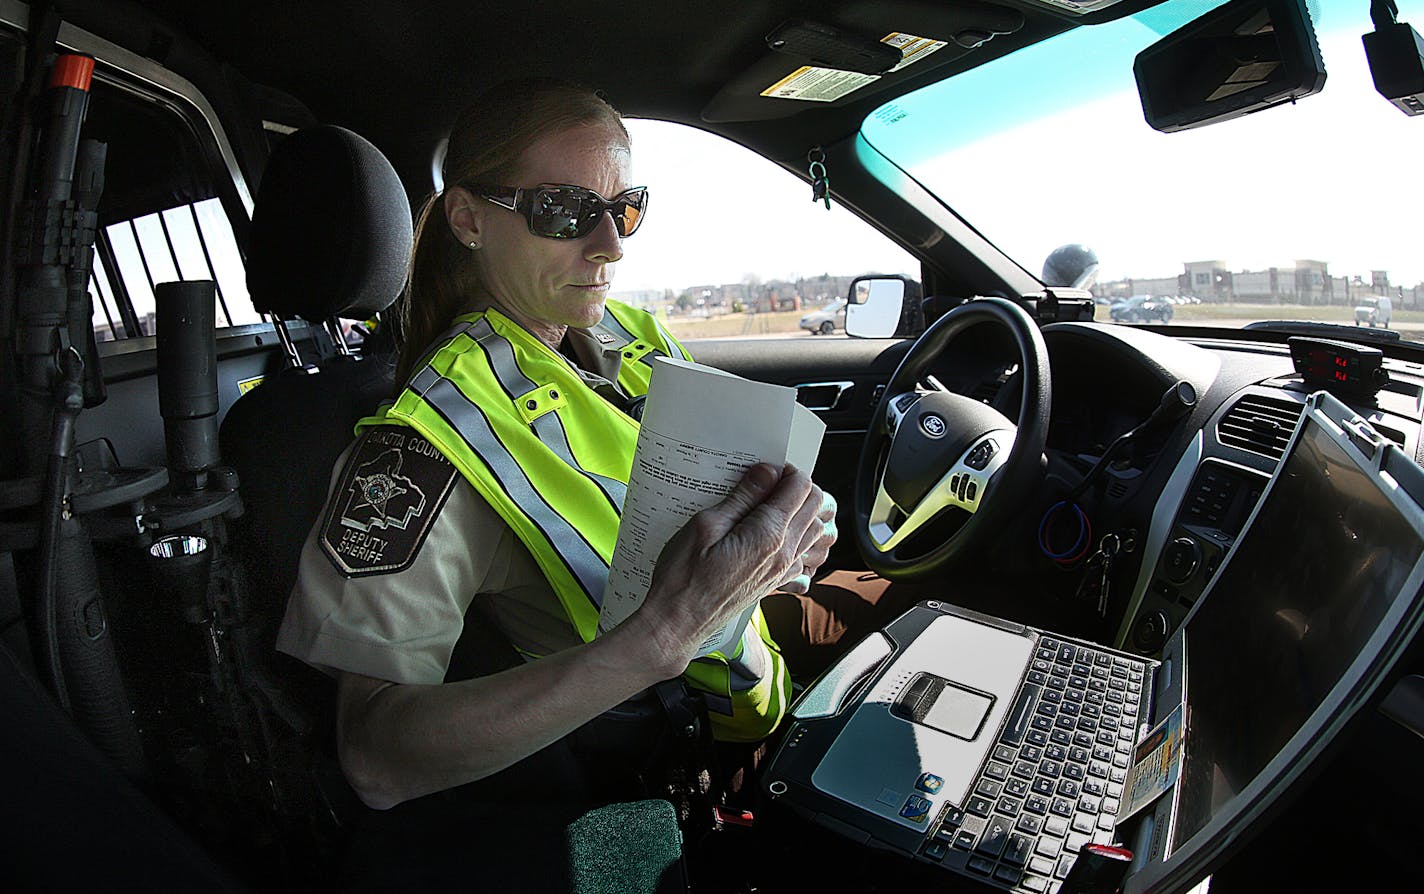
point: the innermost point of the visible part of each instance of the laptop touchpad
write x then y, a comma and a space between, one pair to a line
944, 705
924, 728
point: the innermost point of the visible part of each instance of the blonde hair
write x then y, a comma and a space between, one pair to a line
486, 145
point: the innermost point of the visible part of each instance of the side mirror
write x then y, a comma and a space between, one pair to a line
882, 306
1242, 57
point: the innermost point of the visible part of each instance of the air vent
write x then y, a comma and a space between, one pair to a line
1260, 425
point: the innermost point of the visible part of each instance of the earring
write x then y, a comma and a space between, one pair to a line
474, 246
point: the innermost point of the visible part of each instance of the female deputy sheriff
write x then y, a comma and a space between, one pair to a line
489, 492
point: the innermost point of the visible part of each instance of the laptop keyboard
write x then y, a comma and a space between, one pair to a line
1054, 779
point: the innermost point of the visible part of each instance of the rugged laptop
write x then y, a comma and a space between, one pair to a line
1000, 751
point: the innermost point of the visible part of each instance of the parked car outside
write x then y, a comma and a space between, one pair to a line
1376, 311
1141, 309
826, 320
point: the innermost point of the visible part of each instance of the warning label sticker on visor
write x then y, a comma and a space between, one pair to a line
811, 84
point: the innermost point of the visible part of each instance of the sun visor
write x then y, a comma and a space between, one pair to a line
800, 71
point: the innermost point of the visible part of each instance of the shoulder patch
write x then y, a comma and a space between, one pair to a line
394, 485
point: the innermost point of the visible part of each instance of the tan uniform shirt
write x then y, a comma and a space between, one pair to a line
390, 601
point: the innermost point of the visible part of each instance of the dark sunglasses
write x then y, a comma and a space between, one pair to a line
569, 212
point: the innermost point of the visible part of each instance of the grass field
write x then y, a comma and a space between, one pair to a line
1410, 323
733, 325
1205, 313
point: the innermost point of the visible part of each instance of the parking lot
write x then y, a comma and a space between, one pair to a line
1408, 322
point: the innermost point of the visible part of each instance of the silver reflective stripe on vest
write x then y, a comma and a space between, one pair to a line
549, 427
611, 322
470, 423
502, 360
439, 344
668, 341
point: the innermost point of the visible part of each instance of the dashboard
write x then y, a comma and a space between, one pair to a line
1178, 489
1187, 487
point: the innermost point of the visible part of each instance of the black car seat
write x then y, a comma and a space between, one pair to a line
331, 236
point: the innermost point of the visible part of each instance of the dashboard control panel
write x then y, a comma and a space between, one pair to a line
1218, 502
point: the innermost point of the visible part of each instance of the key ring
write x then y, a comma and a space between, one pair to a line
820, 180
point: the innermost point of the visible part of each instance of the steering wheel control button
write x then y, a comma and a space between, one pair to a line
1181, 559
933, 425
929, 782
979, 457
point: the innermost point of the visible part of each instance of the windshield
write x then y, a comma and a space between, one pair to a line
1298, 212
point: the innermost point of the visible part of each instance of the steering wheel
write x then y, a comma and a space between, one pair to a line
926, 453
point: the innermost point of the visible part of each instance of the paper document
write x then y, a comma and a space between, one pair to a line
701, 430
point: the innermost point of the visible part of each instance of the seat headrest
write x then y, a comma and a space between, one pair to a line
331, 229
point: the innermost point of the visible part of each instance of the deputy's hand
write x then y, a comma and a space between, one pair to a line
817, 549
727, 557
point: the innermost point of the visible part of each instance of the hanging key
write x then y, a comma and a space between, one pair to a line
1107, 548
1090, 577
821, 189
820, 180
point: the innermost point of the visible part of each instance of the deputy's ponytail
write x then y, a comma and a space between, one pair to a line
436, 290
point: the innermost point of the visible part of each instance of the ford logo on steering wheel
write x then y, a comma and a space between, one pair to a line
933, 425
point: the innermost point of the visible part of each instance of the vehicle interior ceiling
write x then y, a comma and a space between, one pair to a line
396, 72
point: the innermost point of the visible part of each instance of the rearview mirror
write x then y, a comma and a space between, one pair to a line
1242, 57
881, 306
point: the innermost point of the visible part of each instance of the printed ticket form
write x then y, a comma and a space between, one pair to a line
702, 429
1155, 764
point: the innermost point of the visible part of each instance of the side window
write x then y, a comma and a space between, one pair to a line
159, 215
733, 245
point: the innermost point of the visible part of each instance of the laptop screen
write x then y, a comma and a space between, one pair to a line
1306, 587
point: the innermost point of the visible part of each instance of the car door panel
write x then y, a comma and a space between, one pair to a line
866, 364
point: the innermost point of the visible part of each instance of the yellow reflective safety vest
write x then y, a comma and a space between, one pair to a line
552, 457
